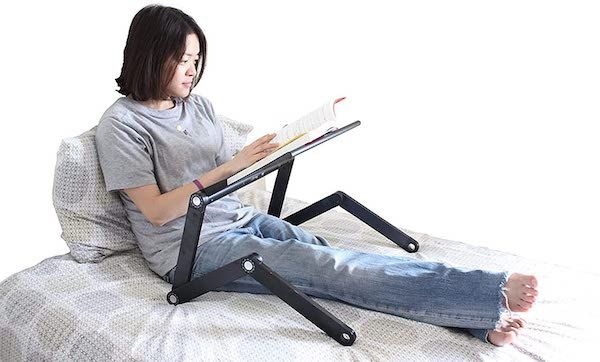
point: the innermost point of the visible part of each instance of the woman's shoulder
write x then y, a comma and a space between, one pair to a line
120, 112
116, 117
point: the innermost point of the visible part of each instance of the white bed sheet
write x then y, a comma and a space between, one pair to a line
116, 310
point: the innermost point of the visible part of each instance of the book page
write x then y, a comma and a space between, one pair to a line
307, 123
304, 130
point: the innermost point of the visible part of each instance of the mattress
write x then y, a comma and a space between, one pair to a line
117, 310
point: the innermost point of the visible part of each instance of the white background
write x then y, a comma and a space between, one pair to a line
479, 119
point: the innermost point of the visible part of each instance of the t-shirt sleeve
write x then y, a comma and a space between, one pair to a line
123, 155
223, 154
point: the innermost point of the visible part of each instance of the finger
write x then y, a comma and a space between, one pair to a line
267, 137
263, 151
260, 155
266, 146
263, 139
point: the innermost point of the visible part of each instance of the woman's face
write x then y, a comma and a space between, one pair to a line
181, 84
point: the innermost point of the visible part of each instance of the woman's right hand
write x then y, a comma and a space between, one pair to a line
253, 152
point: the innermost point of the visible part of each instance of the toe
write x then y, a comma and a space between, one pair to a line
524, 306
508, 329
521, 306
513, 324
528, 299
520, 322
515, 330
532, 282
531, 291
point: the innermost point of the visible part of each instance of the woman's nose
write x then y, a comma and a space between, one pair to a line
192, 70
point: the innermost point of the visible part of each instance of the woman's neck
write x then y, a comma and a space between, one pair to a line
159, 105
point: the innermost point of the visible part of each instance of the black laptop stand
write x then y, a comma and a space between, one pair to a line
185, 289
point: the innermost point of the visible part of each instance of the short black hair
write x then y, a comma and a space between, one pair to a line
155, 45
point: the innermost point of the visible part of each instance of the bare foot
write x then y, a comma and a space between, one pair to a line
521, 292
507, 333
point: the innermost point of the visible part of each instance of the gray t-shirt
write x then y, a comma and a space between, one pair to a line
138, 146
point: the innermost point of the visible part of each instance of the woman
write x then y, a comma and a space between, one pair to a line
159, 143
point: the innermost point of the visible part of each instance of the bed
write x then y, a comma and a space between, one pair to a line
101, 302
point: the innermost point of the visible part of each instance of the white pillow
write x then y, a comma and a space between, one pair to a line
93, 221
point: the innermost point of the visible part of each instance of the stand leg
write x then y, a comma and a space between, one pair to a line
189, 241
360, 211
337, 199
279, 189
252, 265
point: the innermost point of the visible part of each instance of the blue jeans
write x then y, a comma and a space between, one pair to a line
426, 291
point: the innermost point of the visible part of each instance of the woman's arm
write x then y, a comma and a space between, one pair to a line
159, 208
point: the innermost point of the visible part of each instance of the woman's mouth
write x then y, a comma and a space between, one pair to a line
187, 85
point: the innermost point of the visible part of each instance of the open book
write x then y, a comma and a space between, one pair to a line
298, 133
